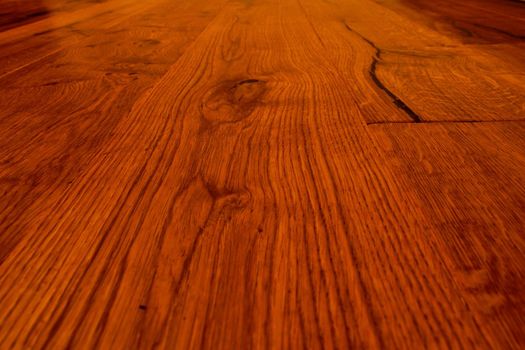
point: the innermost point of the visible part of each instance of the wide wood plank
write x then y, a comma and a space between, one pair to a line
470, 181
31, 44
72, 103
432, 76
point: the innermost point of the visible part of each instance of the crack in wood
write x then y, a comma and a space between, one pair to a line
373, 75
415, 118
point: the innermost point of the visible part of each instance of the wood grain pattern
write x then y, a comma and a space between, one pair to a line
263, 174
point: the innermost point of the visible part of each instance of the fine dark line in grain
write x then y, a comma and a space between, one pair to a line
464, 31
36, 61
314, 28
499, 31
453, 121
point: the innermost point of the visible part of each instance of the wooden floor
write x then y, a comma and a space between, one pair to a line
262, 174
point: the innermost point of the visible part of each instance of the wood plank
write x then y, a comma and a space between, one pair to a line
32, 43
477, 21
470, 181
15, 13
428, 75
72, 103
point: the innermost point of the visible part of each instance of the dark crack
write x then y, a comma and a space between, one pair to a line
373, 75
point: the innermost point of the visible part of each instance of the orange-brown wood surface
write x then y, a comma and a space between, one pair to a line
262, 174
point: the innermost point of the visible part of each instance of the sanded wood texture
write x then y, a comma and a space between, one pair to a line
262, 174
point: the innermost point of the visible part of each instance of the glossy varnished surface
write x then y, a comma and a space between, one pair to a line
262, 174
